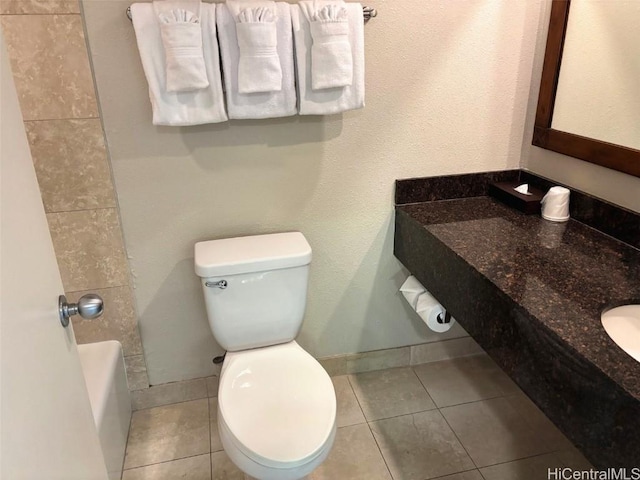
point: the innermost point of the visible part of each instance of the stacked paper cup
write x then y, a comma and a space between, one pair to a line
555, 204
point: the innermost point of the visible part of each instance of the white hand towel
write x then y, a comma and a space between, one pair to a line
261, 104
331, 56
330, 100
179, 108
259, 65
182, 42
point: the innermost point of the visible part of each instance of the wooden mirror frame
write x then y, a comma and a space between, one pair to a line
617, 157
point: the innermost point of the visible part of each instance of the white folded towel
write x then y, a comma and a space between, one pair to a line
272, 104
259, 65
182, 42
329, 100
179, 108
331, 56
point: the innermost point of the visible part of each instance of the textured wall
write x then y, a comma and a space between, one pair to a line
447, 89
616, 187
53, 78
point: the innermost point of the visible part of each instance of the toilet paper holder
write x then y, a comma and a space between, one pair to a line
446, 318
426, 306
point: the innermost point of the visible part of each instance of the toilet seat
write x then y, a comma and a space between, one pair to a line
278, 405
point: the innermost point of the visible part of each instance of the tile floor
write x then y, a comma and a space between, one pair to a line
460, 419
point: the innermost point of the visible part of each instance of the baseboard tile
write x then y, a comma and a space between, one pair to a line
400, 357
184, 391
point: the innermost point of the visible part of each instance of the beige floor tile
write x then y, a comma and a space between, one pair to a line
349, 411
463, 380
166, 433
539, 467
573, 458
354, 456
216, 443
533, 468
191, 468
544, 429
389, 393
420, 446
169, 393
503, 429
212, 385
470, 475
222, 468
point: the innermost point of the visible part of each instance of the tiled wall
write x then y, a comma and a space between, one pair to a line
53, 78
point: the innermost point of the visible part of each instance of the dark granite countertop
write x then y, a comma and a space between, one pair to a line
562, 274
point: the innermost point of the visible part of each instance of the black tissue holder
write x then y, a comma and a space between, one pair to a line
504, 191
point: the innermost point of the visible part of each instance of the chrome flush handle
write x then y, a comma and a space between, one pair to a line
222, 284
89, 306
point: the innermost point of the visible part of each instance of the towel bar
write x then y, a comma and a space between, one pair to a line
367, 12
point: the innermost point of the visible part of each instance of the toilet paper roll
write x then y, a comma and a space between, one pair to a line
555, 204
411, 289
431, 311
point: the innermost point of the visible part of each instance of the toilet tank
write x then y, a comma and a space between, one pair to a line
265, 281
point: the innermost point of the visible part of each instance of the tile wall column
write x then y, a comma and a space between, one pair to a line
53, 77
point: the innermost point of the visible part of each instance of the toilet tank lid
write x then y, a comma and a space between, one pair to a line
256, 253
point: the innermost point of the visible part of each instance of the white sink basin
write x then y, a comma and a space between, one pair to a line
623, 326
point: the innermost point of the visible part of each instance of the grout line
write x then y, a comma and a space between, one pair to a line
521, 458
426, 390
170, 404
380, 450
126, 445
500, 395
459, 440
32, 14
369, 427
82, 210
210, 452
357, 401
403, 415
459, 357
209, 418
59, 119
167, 461
105, 288
403, 365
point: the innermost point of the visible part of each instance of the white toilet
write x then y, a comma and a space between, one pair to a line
276, 404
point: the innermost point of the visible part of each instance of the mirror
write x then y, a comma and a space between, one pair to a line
581, 112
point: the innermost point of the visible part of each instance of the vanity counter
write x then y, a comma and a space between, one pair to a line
530, 292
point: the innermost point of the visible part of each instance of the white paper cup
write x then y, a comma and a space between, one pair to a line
555, 204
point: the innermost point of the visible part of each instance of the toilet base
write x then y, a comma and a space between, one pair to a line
261, 472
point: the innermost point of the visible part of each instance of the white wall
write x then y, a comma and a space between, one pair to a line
447, 90
616, 187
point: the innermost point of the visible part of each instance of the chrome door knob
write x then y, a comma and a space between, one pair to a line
89, 306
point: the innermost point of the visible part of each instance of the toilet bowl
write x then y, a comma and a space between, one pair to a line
276, 411
276, 404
